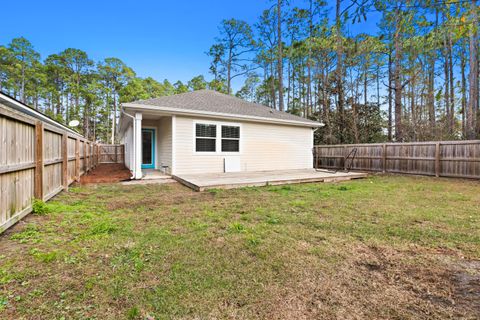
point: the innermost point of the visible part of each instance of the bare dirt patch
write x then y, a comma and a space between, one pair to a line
107, 173
467, 285
377, 282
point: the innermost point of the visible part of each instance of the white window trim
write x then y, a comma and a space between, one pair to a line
218, 138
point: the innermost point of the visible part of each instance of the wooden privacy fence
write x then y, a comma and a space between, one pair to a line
459, 159
39, 158
111, 153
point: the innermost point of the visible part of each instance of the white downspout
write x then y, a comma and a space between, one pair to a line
133, 142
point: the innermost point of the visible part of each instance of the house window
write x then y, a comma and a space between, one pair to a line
205, 137
230, 139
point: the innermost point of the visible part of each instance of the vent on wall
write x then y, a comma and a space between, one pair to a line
231, 164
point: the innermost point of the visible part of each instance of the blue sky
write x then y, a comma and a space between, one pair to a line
162, 39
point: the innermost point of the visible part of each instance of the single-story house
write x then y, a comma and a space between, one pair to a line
209, 132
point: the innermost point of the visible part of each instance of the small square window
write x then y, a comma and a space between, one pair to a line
206, 130
230, 139
231, 132
206, 137
230, 145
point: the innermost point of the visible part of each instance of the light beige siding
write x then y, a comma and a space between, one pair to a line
263, 147
127, 141
164, 144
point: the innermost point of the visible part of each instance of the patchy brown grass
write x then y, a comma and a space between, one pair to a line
388, 247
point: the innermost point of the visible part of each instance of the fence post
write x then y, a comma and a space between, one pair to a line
84, 156
437, 159
77, 160
87, 164
38, 183
100, 149
345, 158
384, 157
90, 151
65, 161
90, 163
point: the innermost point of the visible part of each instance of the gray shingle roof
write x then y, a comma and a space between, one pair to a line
212, 101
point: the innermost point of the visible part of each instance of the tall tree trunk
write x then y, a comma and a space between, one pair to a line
272, 87
67, 109
309, 106
378, 85
86, 116
413, 108
390, 98
280, 56
365, 90
114, 118
398, 81
94, 125
229, 72
432, 57
447, 88
23, 80
463, 64
355, 112
473, 76
446, 85
293, 87
452, 86
289, 68
339, 70
326, 101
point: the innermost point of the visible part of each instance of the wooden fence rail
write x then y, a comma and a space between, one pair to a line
459, 159
38, 159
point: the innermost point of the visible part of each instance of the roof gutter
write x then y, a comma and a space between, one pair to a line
190, 112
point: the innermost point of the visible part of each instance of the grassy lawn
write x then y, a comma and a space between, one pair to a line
391, 247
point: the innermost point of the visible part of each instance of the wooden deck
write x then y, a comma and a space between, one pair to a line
205, 181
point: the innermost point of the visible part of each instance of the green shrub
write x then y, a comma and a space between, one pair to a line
39, 207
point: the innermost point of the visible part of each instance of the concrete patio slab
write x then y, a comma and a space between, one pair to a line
205, 181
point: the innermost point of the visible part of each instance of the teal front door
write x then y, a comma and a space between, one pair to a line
148, 148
